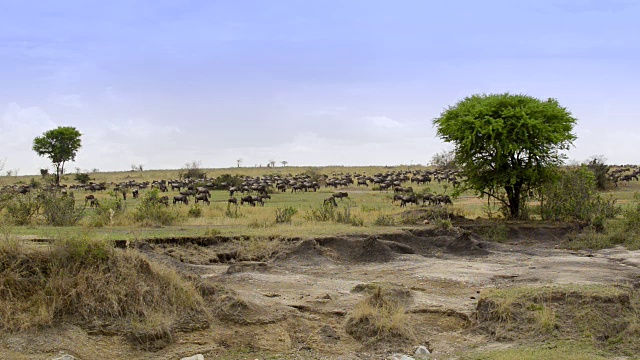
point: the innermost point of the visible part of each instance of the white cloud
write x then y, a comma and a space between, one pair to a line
383, 122
18, 127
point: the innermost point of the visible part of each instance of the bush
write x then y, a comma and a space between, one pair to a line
21, 209
59, 209
195, 211
108, 211
228, 179
384, 220
284, 215
192, 170
82, 178
325, 212
151, 212
572, 196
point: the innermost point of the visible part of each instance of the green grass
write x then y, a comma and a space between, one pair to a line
566, 350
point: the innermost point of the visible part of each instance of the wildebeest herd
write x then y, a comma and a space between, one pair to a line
258, 190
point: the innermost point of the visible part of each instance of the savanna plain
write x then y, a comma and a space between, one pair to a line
309, 272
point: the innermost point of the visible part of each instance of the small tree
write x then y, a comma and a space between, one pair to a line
60, 145
82, 178
284, 162
444, 159
507, 143
598, 166
272, 163
239, 162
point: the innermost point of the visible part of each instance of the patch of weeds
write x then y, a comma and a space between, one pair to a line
232, 213
284, 215
497, 231
195, 211
385, 220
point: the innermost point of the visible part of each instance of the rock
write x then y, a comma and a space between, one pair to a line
422, 350
194, 357
401, 357
65, 357
328, 334
248, 266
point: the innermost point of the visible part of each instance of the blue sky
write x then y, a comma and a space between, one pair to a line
162, 83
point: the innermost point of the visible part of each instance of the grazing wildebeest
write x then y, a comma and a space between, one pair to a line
187, 193
233, 201
164, 200
181, 199
362, 182
247, 199
331, 201
396, 198
258, 200
135, 193
444, 199
232, 190
176, 186
409, 199
93, 202
340, 195
88, 198
204, 198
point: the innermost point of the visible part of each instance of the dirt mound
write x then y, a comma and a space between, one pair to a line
366, 250
466, 244
229, 306
307, 252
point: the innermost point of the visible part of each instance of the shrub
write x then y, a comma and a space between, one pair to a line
59, 209
344, 216
82, 178
232, 213
195, 211
151, 212
325, 212
192, 170
384, 220
21, 209
572, 195
108, 211
284, 215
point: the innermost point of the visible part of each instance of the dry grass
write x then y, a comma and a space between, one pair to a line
379, 317
91, 284
606, 317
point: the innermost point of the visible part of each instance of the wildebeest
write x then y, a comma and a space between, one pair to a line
181, 199
331, 201
164, 200
93, 202
340, 195
233, 201
135, 193
204, 198
88, 198
409, 199
247, 199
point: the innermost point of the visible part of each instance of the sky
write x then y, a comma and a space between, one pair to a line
165, 83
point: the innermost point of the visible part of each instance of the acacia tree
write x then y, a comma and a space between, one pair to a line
60, 145
506, 142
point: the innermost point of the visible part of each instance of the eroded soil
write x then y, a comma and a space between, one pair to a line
295, 304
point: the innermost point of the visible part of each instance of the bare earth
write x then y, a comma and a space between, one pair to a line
296, 304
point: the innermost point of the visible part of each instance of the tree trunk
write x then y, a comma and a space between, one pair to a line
513, 195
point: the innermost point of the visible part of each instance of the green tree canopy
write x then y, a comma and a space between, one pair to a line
507, 142
60, 145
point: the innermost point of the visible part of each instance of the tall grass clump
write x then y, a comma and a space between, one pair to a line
89, 283
59, 209
284, 215
151, 212
379, 317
